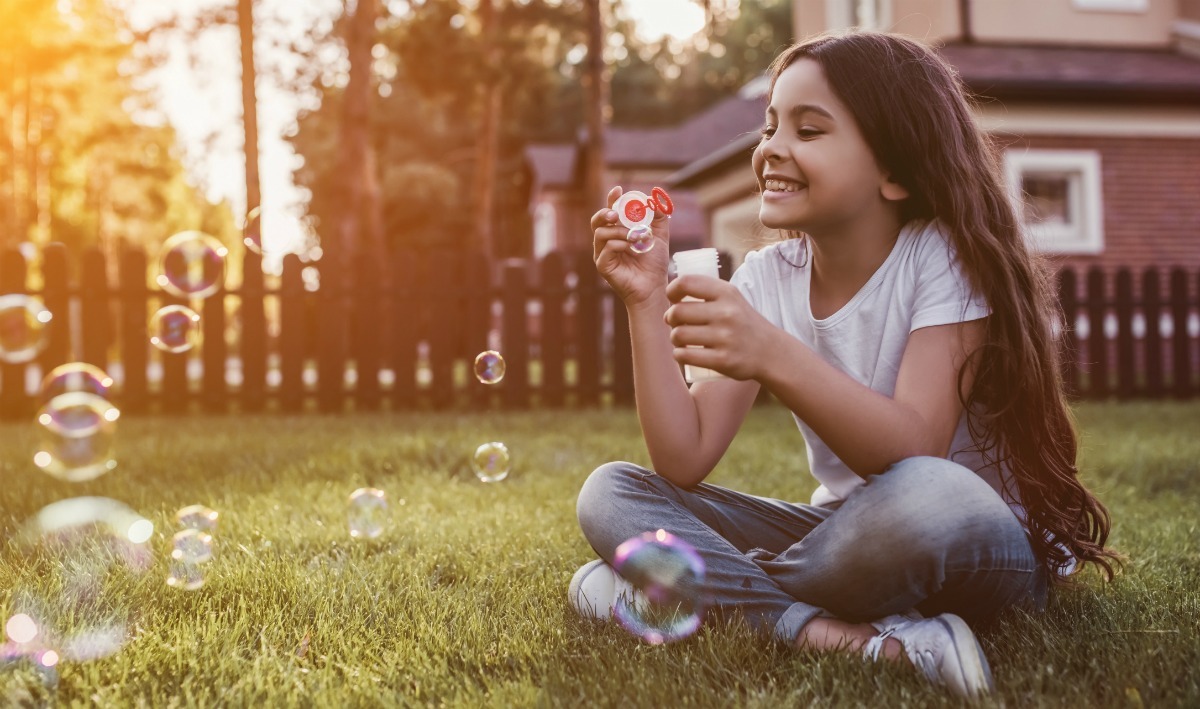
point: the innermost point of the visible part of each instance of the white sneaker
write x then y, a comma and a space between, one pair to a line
595, 588
943, 647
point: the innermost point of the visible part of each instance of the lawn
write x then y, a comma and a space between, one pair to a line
461, 601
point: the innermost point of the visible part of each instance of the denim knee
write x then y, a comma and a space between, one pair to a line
599, 499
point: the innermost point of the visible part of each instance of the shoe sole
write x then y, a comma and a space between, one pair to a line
582, 606
976, 674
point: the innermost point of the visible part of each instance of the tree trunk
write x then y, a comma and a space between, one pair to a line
489, 133
360, 204
597, 108
249, 103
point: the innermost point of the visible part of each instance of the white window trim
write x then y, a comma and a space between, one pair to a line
1086, 235
839, 15
1138, 6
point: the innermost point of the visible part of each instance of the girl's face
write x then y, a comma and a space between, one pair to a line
813, 165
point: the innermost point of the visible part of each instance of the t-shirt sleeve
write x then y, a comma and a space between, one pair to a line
748, 278
943, 292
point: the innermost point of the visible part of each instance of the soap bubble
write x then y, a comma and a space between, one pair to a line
191, 264
252, 231
174, 328
670, 576
184, 576
489, 367
641, 239
197, 517
74, 436
75, 377
80, 561
191, 546
491, 462
367, 513
23, 321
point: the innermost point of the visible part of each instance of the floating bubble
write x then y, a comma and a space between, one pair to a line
75, 377
184, 576
641, 239
367, 513
197, 517
41, 661
74, 579
21, 628
252, 231
191, 546
670, 576
174, 328
23, 321
74, 436
191, 264
489, 367
491, 462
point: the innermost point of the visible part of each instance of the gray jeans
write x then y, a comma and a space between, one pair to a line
926, 534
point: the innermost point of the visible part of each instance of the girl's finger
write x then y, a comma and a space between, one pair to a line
689, 313
614, 194
608, 235
609, 253
694, 336
701, 287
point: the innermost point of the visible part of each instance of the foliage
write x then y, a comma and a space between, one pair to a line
430, 68
79, 162
462, 601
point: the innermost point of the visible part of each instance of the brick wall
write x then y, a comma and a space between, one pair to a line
1151, 192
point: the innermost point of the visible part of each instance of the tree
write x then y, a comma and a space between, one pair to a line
82, 162
249, 102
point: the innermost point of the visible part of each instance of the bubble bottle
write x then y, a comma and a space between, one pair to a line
700, 262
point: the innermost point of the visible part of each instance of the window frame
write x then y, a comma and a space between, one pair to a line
1130, 6
1084, 234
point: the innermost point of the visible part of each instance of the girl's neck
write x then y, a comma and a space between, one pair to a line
845, 259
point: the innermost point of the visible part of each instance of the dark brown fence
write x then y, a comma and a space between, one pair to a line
402, 332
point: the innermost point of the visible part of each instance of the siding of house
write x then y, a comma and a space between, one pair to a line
1149, 218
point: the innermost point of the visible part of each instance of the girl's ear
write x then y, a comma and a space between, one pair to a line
892, 191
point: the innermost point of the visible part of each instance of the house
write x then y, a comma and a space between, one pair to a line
1095, 102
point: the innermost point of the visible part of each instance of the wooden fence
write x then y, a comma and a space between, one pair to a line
402, 332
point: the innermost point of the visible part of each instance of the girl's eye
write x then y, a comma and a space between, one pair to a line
767, 131
808, 132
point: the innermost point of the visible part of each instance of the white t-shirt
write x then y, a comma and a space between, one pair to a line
920, 284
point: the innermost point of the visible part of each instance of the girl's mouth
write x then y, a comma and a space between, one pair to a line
776, 185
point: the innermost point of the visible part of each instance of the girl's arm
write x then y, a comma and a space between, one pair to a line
686, 430
867, 430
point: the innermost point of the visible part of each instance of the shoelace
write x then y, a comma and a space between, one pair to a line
875, 644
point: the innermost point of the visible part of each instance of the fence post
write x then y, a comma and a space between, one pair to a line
588, 329
441, 279
95, 309
1068, 298
514, 286
552, 335
1097, 341
214, 394
14, 402
293, 323
367, 316
1152, 310
56, 296
477, 314
252, 345
1181, 386
176, 392
333, 331
404, 326
1126, 365
135, 338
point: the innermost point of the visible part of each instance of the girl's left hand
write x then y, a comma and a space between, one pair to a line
735, 339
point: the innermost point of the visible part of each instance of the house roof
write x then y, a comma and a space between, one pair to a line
1018, 73
553, 164
679, 145
1066, 73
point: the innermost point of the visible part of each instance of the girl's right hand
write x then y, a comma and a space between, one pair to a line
635, 278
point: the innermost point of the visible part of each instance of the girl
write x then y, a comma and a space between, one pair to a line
909, 330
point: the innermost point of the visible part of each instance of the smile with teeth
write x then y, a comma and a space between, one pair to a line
773, 185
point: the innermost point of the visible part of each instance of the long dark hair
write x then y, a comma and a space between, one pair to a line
915, 115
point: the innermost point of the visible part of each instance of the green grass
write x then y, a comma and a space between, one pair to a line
462, 601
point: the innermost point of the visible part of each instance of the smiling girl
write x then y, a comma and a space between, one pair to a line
909, 330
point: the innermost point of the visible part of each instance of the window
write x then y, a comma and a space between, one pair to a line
1111, 5
867, 14
1058, 198
545, 232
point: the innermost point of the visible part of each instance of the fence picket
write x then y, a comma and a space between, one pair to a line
514, 289
252, 337
135, 340
553, 335
1126, 383
1181, 383
1097, 342
293, 336
1152, 310
13, 400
